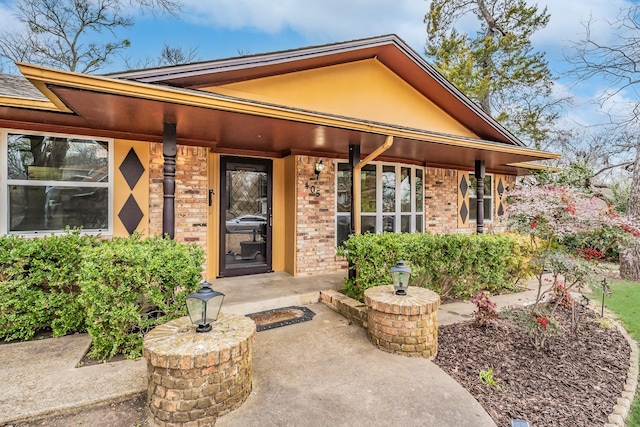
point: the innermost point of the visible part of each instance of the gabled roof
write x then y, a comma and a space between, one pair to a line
390, 50
135, 105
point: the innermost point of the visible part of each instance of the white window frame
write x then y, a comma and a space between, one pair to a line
397, 212
5, 182
486, 197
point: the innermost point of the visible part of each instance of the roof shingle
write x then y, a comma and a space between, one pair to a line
18, 87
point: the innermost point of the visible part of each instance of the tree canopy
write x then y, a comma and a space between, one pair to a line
75, 35
494, 63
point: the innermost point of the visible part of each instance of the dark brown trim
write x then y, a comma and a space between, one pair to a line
479, 173
267, 166
247, 153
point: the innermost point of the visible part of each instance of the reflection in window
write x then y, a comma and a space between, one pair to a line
392, 199
56, 182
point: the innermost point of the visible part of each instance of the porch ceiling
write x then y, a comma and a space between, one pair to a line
137, 111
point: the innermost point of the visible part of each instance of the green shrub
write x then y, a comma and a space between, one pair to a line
598, 239
115, 290
39, 284
453, 265
131, 285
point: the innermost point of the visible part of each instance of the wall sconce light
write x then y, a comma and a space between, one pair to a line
317, 169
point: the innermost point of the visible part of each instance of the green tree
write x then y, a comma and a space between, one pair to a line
75, 35
495, 63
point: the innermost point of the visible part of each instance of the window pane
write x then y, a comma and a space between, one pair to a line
405, 224
487, 209
388, 189
419, 191
419, 223
389, 223
368, 224
343, 228
37, 157
368, 182
488, 188
344, 188
472, 186
473, 208
405, 189
33, 208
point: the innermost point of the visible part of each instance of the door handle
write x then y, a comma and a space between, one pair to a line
211, 193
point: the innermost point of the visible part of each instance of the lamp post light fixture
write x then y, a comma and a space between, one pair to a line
204, 306
400, 275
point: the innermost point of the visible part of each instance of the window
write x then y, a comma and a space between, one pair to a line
392, 199
54, 182
488, 198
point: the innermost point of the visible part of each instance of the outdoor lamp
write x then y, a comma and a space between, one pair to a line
204, 306
319, 167
400, 275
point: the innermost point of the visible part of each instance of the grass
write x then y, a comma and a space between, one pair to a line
624, 301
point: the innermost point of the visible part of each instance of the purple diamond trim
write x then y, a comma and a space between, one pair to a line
130, 214
131, 168
464, 212
464, 186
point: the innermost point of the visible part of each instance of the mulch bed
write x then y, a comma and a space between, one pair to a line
574, 381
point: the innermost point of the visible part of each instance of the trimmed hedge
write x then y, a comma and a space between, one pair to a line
116, 290
453, 265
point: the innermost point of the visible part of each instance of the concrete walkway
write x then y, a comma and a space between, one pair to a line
317, 373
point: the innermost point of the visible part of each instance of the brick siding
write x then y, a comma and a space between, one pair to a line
441, 200
316, 219
191, 193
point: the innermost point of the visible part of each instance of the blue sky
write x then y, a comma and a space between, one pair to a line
226, 28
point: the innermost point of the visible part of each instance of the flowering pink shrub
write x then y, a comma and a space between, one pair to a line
485, 309
548, 213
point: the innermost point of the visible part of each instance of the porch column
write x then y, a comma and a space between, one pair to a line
354, 159
479, 174
169, 151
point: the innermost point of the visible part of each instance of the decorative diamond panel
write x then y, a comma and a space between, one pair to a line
130, 214
464, 186
500, 188
464, 212
500, 210
131, 168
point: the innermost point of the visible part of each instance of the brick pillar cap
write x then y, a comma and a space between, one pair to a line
384, 299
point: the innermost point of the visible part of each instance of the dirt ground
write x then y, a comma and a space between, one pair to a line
130, 413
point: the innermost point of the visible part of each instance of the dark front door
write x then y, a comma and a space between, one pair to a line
245, 216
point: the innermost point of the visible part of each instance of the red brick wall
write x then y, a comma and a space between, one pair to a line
441, 200
191, 193
316, 221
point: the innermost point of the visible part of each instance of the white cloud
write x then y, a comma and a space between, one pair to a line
317, 20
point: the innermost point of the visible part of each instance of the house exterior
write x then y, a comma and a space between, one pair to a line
266, 161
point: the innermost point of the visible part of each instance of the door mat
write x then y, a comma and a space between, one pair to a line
278, 317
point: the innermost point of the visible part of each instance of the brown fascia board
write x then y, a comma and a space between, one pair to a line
384, 48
